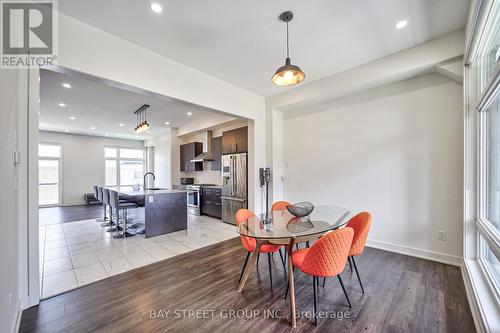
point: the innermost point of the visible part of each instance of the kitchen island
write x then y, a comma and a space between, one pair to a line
165, 210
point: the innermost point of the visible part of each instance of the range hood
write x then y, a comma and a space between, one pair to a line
206, 155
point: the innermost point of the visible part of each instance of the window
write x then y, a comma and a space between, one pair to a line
123, 166
131, 172
491, 163
486, 75
111, 173
481, 246
49, 164
489, 54
491, 263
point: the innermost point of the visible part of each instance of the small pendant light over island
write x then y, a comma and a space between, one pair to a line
142, 123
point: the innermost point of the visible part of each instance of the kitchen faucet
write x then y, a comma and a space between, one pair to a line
148, 173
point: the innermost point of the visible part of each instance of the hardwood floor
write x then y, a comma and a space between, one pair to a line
55, 215
403, 294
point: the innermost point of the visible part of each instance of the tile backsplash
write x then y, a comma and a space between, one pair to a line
203, 177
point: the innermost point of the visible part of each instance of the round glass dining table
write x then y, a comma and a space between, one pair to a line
282, 228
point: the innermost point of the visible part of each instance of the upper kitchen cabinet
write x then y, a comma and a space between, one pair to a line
189, 151
216, 154
235, 141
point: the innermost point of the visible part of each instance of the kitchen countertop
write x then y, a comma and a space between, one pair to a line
128, 190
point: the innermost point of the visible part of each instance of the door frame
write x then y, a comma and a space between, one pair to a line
29, 272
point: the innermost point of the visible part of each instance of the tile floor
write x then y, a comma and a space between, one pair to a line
77, 253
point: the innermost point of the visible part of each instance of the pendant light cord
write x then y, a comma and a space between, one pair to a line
287, 42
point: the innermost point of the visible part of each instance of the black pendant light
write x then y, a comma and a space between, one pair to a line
289, 74
142, 123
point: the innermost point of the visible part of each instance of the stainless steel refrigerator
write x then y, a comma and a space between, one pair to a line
234, 185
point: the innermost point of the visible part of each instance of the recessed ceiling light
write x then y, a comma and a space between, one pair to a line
66, 85
156, 7
92, 128
66, 131
148, 131
106, 134
121, 125
167, 123
401, 24
62, 105
189, 113
72, 118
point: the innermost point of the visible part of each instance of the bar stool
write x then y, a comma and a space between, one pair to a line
113, 225
118, 206
98, 196
105, 202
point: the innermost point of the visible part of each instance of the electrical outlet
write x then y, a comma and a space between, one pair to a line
151, 199
442, 236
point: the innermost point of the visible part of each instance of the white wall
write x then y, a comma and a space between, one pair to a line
414, 61
395, 151
162, 158
83, 161
9, 241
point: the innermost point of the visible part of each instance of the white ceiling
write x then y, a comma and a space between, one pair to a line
96, 104
242, 42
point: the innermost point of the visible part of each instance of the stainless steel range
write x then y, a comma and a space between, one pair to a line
194, 196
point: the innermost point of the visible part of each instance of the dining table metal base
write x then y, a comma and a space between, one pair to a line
288, 243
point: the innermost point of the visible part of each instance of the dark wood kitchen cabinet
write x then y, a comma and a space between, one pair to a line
211, 203
189, 151
216, 148
235, 141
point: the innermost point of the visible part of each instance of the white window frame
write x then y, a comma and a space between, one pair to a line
479, 93
60, 159
118, 159
487, 235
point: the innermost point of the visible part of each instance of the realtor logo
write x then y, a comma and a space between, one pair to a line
28, 34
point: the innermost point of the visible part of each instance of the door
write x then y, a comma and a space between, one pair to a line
49, 189
240, 175
183, 165
49, 174
193, 198
227, 175
229, 208
216, 147
235, 141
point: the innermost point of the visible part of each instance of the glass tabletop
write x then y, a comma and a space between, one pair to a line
282, 224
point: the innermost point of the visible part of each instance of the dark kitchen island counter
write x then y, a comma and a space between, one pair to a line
165, 210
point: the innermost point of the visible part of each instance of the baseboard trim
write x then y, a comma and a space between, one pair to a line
17, 318
471, 293
75, 203
414, 252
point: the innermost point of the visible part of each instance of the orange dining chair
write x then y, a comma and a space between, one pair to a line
250, 244
326, 257
281, 205
361, 224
